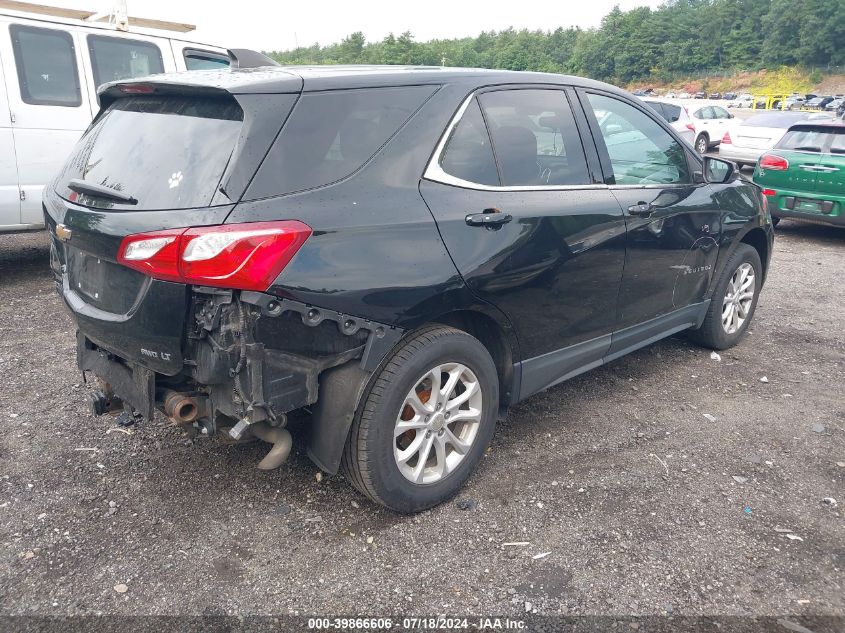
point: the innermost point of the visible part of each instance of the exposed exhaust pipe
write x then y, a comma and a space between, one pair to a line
180, 408
279, 438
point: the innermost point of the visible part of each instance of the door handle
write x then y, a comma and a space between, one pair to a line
491, 218
641, 209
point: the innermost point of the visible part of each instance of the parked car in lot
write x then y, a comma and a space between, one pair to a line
676, 116
804, 175
835, 104
700, 95
715, 95
742, 101
404, 251
684, 95
52, 65
793, 102
746, 142
818, 103
729, 96
710, 124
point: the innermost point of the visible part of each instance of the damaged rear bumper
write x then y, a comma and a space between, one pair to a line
249, 359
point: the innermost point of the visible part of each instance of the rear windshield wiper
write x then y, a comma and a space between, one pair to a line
99, 191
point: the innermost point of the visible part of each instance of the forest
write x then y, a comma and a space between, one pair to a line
679, 38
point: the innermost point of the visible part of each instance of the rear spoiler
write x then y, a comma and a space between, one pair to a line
246, 58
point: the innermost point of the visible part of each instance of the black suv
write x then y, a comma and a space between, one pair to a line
400, 252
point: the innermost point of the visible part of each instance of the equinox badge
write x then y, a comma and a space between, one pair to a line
63, 233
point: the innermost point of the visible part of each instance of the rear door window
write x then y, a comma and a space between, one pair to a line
204, 60
535, 139
329, 135
46, 64
166, 152
468, 154
114, 58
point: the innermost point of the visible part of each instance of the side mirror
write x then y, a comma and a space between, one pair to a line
719, 171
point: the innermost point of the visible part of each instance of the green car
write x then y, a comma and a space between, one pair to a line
803, 177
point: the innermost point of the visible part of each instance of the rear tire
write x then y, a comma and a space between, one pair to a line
427, 463
734, 301
702, 144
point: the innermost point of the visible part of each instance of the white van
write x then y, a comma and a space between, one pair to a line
51, 62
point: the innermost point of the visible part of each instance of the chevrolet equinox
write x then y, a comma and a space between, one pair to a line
401, 252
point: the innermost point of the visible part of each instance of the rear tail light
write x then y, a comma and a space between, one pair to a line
726, 139
690, 127
244, 256
769, 192
773, 162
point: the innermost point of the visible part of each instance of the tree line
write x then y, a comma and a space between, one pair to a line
680, 37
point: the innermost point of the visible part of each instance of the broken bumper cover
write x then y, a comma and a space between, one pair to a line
132, 383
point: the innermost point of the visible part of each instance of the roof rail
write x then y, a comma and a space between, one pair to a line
118, 18
246, 58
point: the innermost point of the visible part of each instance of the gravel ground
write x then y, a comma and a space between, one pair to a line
666, 482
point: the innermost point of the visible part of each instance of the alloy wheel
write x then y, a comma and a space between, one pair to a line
701, 146
437, 423
738, 298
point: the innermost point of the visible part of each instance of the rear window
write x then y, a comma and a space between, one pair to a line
329, 135
166, 152
115, 58
776, 119
817, 140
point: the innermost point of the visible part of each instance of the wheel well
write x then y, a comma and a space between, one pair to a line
491, 335
756, 238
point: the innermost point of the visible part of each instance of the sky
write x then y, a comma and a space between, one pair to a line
282, 25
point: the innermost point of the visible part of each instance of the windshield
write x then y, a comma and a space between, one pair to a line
163, 152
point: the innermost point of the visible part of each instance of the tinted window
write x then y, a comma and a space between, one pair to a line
814, 140
776, 119
331, 134
202, 60
705, 113
468, 154
46, 62
534, 138
656, 106
115, 58
672, 112
167, 152
720, 113
640, 150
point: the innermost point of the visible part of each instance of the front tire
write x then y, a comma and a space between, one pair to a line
734, 301
425, 422
702, 144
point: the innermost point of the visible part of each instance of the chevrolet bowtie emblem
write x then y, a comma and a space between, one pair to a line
63, 233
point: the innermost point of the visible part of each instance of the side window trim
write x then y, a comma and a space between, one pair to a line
694, 162
435, 172
20, 64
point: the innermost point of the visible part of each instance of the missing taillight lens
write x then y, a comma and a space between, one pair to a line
244, 256
773, 162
